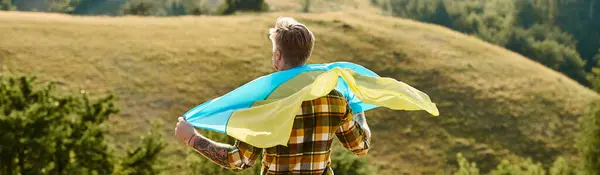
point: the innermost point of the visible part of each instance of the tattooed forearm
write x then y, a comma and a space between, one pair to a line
216, 152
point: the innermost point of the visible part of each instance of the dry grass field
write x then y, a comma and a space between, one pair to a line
494, 104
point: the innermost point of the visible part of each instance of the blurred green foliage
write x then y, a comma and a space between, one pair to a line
142, 8
465, 167
562, 35
345, 163
562, 167
7, 5
588, 143
526, 167
594, 75
589, 140
63, 6
231, 6
44, 133
137, 7
306, 6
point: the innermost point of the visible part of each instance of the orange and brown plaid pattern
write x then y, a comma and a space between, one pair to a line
309, 147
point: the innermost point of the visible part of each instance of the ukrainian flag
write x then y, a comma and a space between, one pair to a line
261, 112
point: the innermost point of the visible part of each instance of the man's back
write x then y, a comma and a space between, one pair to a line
309, 148
317, 122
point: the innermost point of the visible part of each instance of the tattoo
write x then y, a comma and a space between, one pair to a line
216, 152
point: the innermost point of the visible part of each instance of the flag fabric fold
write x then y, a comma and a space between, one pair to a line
261, 112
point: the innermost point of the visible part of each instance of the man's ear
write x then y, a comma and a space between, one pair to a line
278, 55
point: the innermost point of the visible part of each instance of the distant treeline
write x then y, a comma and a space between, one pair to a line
561, 34
136, 7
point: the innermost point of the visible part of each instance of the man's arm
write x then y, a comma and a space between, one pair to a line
216, 152
236, 157
352, 135
362, 121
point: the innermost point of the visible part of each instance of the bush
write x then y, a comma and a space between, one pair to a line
7, 5
177, 9
63, 6
414, 9
589, 140
374, 2
231, 6
562, 167
551, 47
594, 76
250, 5
528, 167
345, 163
465, 167
527, 27
227, 8
306, 6
144, 159
558, 57
524, 168
142, 8
43, 133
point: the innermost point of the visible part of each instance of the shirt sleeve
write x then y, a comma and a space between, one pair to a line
351, 135
242, 156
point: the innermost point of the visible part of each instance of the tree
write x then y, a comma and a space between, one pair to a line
582, 19
533, 28
551, 47
7, 5
558, 57
526, 14
142, 8
440, 15
306, 6
63, 6
589, 140
228, 7
594, 78
177, 9
44, 133
374, 2
594, 75
250, 5
196, 7
231, 6
413, 9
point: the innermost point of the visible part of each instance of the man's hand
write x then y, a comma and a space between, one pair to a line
214, 151
362, 121
184, 131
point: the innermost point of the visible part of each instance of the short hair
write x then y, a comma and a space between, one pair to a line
293, 39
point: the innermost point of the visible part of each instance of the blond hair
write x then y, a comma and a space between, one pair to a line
293, 39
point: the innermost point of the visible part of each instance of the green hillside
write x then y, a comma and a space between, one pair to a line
494, 104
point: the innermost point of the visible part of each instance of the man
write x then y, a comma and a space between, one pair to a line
309, 148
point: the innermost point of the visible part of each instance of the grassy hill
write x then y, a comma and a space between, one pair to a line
494, 104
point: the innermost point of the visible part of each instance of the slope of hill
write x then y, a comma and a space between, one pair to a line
494, 104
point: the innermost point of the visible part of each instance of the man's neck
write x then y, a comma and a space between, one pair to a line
286, 67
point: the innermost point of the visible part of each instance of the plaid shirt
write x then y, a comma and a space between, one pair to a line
309, 147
